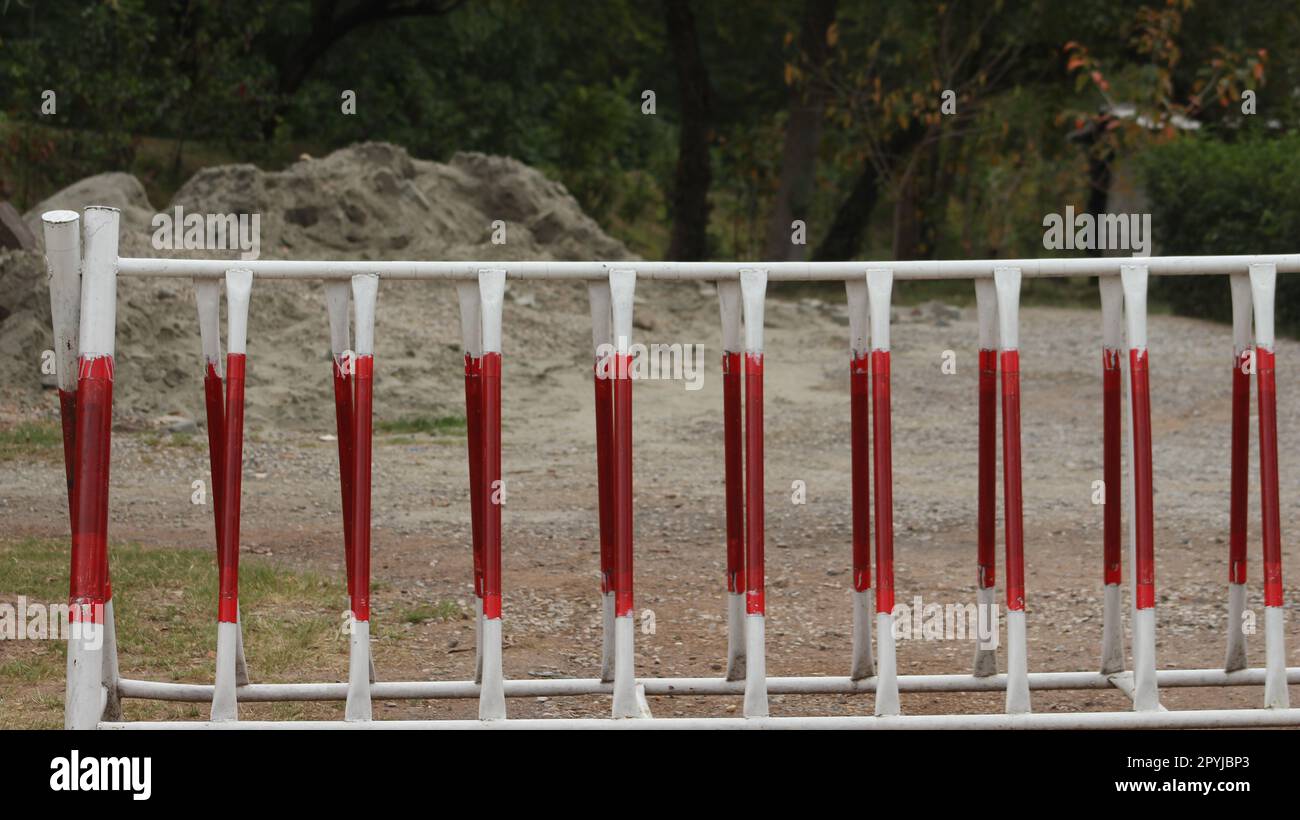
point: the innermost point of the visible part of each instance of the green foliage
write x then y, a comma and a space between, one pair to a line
161, 88
1213, 197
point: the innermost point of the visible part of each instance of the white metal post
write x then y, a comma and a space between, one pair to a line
627, 704
880, 287
602, 340
733, 352
225, 706
1112, 356
1006, 281
1242, 353
365, 292
862, 665
753, 289
492, 699
986, 307
91, 667
1146, 696
1263, 283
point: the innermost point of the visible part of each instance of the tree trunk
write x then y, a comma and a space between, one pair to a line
689, 202
802, 136
844, 239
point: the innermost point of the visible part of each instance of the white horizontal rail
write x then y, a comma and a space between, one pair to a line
776, 271
828, 685
1198, 719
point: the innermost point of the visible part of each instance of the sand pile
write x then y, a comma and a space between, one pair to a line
369, 201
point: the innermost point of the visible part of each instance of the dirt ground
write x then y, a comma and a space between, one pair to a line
551, 610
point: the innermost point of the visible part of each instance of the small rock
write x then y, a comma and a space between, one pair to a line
175, 424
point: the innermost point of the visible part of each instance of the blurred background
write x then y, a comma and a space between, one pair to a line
903, 130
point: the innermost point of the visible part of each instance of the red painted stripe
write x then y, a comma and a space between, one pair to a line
987, 497
233, 472
491, 487
343, 430
1240, 481
1266, 376
1111, 431
1011, 481
93, 436
215, 409
882, 461
734, 458
362, 430
623, 485
1143, 496
106, 434
604, 389
68, 419
474, 436
860, 451
754, 558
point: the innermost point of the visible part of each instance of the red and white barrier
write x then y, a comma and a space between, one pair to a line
862, 666
986, 308
239, 284
1141, 489
627, 702
492, 699
880, 287
602, 341
1242, 366
89, 673
1006, 282
1112, 377
753, 289
338, 304
1263, 281
365, 289
733, 442
207, 294
93, 682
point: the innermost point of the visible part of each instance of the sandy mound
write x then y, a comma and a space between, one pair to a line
369, 201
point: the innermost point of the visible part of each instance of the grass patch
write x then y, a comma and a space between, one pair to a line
430, 425
31, 439
438, 612
165, 605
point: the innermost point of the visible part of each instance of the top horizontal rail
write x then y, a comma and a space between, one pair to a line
706, 271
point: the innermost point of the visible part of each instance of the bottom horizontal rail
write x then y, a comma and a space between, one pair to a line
436, 690
1191, 719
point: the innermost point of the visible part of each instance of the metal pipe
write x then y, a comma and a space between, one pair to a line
1263, 281
753, 291
1007, 284
880, 286
1200, 719
1112, 344
777, 271
225, 705
598, 296
365, 291
863, 664
622, 289
1239, 482
986, 300
492, 288
1142, 523
90, 672
733, 433
566, 687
